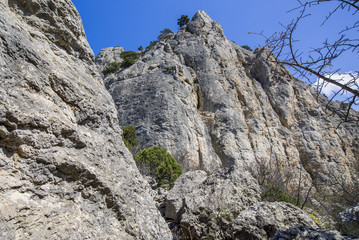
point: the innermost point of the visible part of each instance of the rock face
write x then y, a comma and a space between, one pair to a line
108, 55
64, 171
350, 216
307, 233
206, 205
213, 104
226, 113
264, 219
226, 205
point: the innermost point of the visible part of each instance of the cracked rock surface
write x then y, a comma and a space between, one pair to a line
64, 171
216, 106
213, 104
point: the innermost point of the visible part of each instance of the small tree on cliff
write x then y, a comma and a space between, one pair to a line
183, 20
158, 163
129, 136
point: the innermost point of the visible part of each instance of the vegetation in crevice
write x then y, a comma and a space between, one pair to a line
183, 20
111, 68
272, 193
129, 58
129, 137
247, 48
156, 162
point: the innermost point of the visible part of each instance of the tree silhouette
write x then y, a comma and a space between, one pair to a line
183, 20
321, 61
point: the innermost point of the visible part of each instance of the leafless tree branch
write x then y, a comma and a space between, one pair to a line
320, 61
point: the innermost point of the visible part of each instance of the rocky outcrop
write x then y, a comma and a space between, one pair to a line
226, 205
264, 219
350, 214
108, 55
213, 104
216, 106
205, 204
64, 171
307, 233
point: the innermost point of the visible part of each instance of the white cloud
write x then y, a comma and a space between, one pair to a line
330, 89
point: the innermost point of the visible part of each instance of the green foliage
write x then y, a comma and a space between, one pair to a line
272, 193
152, 44
129, 58
247, 48
157, 162
112, 68
129, 136
140, 48
183, 20
170, 69
168, 171
164, 34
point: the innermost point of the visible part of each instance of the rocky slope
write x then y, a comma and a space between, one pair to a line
228, 115
214, 104
64, 171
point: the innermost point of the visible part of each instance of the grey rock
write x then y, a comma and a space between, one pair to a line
108, 55
213, 104
264, 219
307, 233
64, 171
205, 204
350, 215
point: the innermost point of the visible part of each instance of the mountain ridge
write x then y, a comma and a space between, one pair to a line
66, 173
214, 105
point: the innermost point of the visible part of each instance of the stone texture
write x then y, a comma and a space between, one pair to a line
350, 215
207, 204
216, 106
307, 233
64, 171
108, 55
213, 104
262, 220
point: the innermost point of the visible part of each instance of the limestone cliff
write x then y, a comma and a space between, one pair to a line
228, 115
64, 171
214, 104
234, 119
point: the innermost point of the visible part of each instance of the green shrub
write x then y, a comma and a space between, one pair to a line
112, 68
157, 162
183, 20
129, 58
129, 136
247, 48
170, 69
272, 193
152, 44
164, 34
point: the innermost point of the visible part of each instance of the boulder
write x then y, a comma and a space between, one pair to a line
204, 205
262, 220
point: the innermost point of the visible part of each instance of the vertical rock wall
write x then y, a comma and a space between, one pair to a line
214, 104
64, 171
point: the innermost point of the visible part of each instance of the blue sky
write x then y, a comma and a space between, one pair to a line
135, 23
